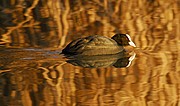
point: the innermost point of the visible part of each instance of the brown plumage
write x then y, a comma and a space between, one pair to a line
98, 45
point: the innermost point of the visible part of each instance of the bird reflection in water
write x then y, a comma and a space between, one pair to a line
120, 60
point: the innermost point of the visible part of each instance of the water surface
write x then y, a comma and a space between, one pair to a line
33, 73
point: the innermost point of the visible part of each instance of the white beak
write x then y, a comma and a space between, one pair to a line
132, 44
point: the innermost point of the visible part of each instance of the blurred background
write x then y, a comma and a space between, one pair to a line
53, 23
45, 25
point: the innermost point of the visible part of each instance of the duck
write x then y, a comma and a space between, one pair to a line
98, 45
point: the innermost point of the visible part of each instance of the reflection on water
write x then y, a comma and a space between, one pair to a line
32, 72
122, 59
42, 77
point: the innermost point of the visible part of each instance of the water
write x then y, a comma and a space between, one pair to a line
33, 73
43, 77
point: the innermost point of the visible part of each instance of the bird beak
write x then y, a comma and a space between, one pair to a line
132, 44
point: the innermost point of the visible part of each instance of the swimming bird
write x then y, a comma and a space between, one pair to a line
98, 45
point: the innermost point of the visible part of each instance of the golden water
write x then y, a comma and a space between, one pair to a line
32, 73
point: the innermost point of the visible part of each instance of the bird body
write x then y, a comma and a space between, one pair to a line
97, 45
